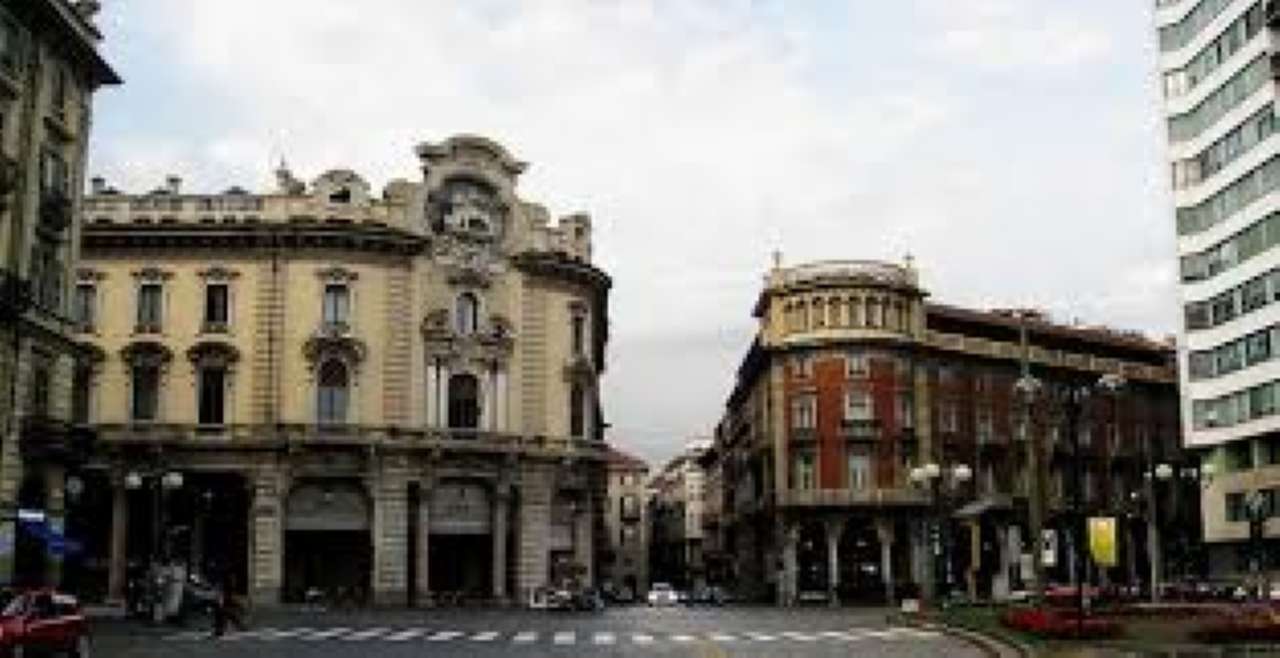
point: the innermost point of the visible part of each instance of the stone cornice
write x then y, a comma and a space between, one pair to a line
99, 237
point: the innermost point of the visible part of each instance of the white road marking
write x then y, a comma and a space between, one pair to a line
367, 634
187, 636
565, 637
605, 638
881, 635
798, 637
487, 636
288, 633
444, 636
642, 638
326, 634
525, 637
761, 637
405, 635
914, 632
722, 637
682, 638
840, 635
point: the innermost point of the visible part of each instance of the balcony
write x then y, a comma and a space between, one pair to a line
55, 211
871, 497
860, 430
15, 294
803, 435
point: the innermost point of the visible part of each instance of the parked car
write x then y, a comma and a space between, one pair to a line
44, 622
588, 600
662, 594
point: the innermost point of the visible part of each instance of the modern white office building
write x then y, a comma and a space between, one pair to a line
1219, 66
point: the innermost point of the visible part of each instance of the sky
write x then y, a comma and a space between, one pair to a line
1012, 147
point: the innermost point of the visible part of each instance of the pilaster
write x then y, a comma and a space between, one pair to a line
266, 542
390, 537
534, 528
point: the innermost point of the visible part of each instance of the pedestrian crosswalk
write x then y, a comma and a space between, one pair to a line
556, 637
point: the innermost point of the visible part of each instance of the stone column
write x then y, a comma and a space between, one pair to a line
433, 395
266, 537
975, 557
501, 397
56, 518
787, 584
117, 570
424, 544
583, 546
501, 510
390, 539
833, 529
534, 531
884, 532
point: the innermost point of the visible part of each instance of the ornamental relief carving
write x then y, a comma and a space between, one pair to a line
152, 273
337, 274
218, 273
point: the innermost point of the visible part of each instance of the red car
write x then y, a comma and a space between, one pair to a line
43, 622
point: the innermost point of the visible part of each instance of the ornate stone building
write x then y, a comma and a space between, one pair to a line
49, 71
323, 389
855, 382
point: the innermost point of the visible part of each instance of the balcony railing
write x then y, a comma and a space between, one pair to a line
844, 497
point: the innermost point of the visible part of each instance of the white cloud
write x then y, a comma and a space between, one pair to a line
701, 136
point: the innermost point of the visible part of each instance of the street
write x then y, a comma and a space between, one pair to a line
631, 631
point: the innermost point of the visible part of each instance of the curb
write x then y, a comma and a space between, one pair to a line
993, 647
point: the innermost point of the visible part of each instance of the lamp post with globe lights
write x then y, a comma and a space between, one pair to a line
930, 476
1071, 398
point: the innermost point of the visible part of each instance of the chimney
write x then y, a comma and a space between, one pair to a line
173, 184
97, 185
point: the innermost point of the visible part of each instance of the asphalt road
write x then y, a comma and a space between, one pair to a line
628, 631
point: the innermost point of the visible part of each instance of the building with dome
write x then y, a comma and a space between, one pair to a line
878, 445
327, 391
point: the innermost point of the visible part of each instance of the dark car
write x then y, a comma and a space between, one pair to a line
43, 622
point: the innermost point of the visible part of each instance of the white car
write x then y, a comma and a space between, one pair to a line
662, 594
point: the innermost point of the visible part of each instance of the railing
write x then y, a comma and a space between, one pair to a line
253, 435
840, 497
888, 273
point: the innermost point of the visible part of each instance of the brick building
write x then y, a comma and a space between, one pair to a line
854, 381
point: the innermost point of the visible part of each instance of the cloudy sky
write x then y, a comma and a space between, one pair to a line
1012, 146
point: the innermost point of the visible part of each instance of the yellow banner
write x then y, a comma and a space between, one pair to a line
1102, 540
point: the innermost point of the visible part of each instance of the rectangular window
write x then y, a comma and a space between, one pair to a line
1235, 507
337, 304
802, 366
86, 306
859, 472
857, 365
216, 296
577, 411
857, 406
803, 412
80, 392
804, 474
46, 272
212, 395
54, 174
149, 311
41, 379
579, 334
906, 411
146, 391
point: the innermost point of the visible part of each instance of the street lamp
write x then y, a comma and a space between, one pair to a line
1071, 398
930, 476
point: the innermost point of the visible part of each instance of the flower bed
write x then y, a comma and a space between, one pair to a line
1249, 625
1047, 623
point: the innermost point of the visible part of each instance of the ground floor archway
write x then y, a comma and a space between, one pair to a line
327, 545
460, 539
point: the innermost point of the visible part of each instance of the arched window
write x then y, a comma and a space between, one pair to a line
333, 392
464, 402
467, 314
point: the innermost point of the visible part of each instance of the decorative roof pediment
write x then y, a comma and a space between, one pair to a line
337, 274
146, 353
213, 353
321, 346
152, 273
218, 273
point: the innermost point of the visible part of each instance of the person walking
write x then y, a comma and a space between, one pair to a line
227, 609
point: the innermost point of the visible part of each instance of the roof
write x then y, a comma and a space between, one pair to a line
1039, 327
622, 461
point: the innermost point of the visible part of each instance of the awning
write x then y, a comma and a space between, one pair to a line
982, 506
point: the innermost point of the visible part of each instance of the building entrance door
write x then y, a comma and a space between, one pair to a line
460, 542
328, 550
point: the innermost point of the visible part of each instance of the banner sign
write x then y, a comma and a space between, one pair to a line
1102, 540
1049, 547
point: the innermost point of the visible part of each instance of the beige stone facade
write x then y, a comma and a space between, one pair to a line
49, 71
625, 566
409, 377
